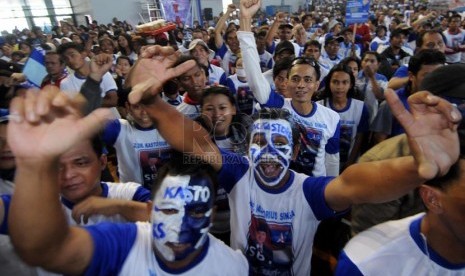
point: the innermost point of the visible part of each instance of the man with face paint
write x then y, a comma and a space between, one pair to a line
175, 242
262, 188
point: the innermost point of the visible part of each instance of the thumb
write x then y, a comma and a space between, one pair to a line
94, 122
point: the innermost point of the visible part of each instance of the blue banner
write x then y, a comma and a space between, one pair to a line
357, 11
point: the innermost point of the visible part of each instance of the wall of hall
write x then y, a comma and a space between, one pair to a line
104, 10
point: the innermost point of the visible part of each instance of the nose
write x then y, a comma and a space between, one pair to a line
68, 172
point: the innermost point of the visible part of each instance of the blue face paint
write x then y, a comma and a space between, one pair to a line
181, 215
271, 150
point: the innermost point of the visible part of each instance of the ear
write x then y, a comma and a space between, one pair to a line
411, 77
103, 161
432, 198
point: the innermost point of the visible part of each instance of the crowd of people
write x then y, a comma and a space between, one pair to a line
247, 145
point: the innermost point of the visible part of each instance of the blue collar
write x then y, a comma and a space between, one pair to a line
415, 228
194, 262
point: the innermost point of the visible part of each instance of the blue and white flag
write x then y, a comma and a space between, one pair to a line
34, 69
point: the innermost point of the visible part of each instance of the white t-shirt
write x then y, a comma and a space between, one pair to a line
140, 152
71, 85
127, 249
394, 248
289, 216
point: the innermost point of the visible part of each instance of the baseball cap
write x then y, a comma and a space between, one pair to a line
446, 81
199, 41
333, 23
330, 38
284, 46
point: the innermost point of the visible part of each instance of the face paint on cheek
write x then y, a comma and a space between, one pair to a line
181, 216
271, 161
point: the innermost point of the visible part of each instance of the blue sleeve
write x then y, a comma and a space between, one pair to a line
6, 206
332, 147
345, 267
314, 192
111, 132
112, 243
142, 195
374, 46
222, 50
223, 79
271, 48
233, 169
401, 72
230, 85
275, 100
364, 124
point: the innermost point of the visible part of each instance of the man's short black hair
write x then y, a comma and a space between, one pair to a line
425, 57
71, 45
185, 58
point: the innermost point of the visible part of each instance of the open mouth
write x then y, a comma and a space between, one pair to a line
270, 169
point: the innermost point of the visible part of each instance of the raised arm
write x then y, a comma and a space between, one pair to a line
431, 129
44, 126
147, 79
260, 87
99, 65
221, 24
130, 210
279, 18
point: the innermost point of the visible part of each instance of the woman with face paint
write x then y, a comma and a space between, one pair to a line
260, 187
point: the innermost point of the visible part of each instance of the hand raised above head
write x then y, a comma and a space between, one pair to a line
431, 127
152, 70
46, 123
250, 7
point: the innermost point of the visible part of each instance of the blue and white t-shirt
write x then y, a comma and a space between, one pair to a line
228, 59
216, 75
71, 85
141, 152
394, 248
127, 249
243, 94
288, 216
319, 149
354, 120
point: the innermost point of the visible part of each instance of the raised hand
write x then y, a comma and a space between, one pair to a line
152, 70
249, 8
230, 9
47, 123
431, 127
99, 65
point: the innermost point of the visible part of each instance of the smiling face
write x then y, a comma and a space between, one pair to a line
218, 112
270, 150
302, 83
181, 215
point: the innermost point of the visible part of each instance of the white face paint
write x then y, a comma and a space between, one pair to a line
271, 150
181, 215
